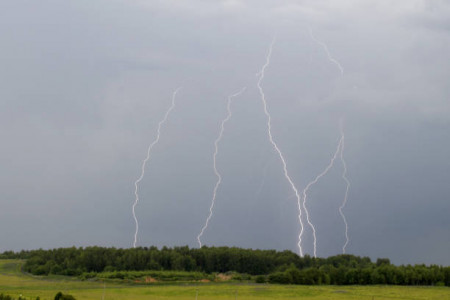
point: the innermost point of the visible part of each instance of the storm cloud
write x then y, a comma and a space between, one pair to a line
83, 85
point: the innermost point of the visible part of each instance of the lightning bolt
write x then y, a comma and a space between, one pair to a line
325, 48
310, 184
274, 144
340, 149
219, 177
344, 176
136, 183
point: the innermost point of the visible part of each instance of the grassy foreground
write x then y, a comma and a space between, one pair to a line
15, 283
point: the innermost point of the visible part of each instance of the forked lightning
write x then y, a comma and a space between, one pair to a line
219, 177
344, 176
136, 183
325, 48
310, 184
274, 144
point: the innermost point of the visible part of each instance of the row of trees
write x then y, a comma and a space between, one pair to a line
384, 274
275, 266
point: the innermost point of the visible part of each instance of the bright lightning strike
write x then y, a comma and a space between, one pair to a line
310, 184
344, 176
136, 183
277, 149
325, 48
219, 177
340, 148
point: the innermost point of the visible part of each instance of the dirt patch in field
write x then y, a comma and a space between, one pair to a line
223, 277
149, 279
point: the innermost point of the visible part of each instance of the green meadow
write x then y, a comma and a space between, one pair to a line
13, 282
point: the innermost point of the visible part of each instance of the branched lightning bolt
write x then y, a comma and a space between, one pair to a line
344, 176
219, 177
340, 148
275, 146
310, 184
324, 46
136, 183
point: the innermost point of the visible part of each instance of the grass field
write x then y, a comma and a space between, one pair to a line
15, 283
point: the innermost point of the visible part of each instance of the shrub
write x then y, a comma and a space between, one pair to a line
280, 277
61, 296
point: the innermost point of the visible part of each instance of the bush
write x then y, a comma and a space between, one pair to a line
260, 279
5, 297
241, 277
280, 277
294, 274
61, 296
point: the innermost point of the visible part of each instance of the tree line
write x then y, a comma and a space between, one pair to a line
270, 266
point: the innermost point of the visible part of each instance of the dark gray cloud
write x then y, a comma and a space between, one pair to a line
85, 83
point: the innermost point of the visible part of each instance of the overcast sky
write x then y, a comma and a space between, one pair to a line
83, 85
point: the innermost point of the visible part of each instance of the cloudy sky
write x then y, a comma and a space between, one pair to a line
83, 85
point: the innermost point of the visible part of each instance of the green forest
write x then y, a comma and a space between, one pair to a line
282, 267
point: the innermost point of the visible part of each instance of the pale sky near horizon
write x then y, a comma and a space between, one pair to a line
83, 85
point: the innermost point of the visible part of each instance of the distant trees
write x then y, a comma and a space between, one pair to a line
283, 267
